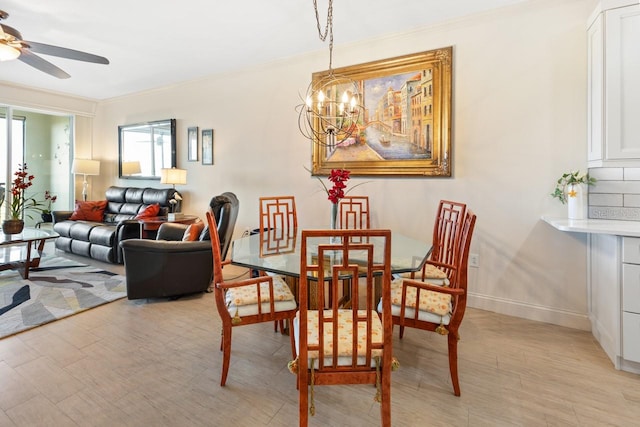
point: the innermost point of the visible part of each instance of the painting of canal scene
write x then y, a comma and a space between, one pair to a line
403, 123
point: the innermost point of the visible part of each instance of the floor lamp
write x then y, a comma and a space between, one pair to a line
85, 167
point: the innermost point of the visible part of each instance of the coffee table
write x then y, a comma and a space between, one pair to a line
15, 249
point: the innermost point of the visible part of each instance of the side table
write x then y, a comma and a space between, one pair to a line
149, 226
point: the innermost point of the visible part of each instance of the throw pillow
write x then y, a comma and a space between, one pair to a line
149, 212
89, 211
192, 233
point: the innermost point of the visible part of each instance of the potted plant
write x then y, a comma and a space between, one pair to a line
19, 203
48, 200
569, 189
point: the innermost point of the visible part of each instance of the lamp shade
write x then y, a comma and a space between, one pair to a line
131, 168
86, 167
173, 176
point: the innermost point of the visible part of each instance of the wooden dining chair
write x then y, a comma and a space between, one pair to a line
278, 227
336, 345
440, 308
246, 302
353, 212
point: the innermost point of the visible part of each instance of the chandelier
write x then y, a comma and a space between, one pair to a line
332, 104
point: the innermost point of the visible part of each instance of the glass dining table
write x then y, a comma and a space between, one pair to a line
279, 254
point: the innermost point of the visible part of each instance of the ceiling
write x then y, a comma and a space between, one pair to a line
153, 43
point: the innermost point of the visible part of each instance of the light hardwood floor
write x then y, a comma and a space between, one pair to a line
157, 363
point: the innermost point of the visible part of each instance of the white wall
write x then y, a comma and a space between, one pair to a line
519, 122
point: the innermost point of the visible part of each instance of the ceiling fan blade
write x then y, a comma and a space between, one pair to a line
62, 52
41, 64
7, 30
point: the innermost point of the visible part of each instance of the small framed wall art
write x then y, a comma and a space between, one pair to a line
192, 144
207, 146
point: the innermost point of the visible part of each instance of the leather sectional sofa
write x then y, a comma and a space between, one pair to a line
101, 239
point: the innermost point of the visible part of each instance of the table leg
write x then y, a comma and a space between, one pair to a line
24, 267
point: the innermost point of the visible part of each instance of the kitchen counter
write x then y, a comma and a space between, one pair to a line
595, 226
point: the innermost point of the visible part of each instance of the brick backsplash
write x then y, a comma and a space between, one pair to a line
616, 194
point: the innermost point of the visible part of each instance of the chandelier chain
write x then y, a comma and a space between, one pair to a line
328, 29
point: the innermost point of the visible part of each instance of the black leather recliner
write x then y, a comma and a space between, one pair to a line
169, 267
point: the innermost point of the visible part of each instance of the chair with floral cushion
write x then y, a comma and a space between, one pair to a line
440, 306
353, 212
246, 302
446, 235
338, 345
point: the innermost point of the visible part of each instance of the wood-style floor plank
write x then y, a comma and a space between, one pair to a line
157, 362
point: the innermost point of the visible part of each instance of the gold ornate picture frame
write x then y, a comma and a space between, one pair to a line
405, 126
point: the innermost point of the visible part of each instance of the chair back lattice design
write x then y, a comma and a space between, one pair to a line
353, 212
278, 218
446, 234
338, 345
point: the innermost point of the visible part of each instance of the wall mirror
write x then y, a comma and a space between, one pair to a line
146, 148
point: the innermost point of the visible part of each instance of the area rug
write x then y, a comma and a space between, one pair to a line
58, 288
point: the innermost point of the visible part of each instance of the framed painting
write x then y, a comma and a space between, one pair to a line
207, 146
403, 126
192, 144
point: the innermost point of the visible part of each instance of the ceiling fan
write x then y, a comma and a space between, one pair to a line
13, 47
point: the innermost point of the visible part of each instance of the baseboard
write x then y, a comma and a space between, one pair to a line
529, 311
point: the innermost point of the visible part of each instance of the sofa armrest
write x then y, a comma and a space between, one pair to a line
172, 231
59, 216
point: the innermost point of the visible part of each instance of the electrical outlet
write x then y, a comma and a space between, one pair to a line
474, 260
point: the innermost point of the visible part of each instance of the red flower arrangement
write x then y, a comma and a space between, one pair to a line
48, 199
339, 177
19, 203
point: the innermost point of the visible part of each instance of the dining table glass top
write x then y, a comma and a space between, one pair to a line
280, 254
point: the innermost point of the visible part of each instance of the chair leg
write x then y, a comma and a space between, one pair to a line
303, 384
453, 362
401, 331
385, 405
292, 338
226, 355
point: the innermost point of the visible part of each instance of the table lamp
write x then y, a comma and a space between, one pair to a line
131, 168
85, 167
174, 176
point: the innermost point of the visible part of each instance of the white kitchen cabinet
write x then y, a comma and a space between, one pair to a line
631, 299
614, 295
613, 91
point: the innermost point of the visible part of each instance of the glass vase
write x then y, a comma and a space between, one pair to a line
334, 216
